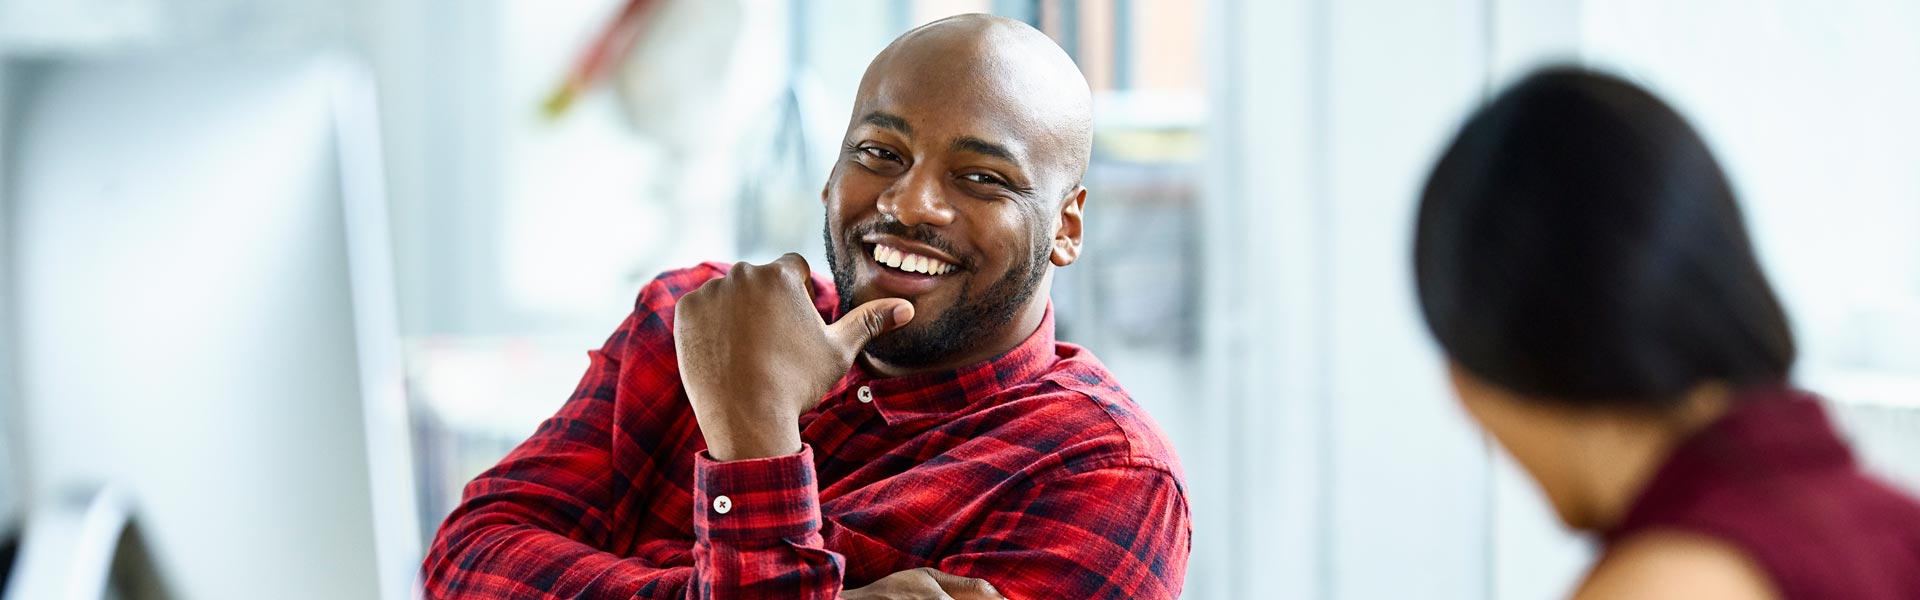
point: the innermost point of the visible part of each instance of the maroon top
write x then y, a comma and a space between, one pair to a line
1773, 479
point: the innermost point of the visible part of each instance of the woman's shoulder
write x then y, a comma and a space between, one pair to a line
1657, 564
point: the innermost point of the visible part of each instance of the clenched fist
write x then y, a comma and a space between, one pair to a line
755, 355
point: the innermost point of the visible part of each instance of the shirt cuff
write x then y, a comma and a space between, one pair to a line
755, 499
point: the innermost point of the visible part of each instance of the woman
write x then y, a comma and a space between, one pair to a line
1581, 260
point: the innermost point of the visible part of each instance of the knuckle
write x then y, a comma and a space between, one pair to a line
705, 290
792, 265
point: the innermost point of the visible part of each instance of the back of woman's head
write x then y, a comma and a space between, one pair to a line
1577, 241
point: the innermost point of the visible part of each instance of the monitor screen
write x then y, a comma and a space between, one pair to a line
203, 317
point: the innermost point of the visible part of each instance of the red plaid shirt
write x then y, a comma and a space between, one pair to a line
1033, 471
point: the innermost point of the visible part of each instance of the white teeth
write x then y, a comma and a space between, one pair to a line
912, 263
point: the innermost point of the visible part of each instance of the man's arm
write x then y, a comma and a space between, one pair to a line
534, 525
754, 354
1118, 529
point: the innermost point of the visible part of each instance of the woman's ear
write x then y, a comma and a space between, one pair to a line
1066, 239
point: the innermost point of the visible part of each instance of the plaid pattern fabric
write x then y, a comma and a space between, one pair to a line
1034, 471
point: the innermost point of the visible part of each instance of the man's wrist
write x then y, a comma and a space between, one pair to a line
729, 448
746, 430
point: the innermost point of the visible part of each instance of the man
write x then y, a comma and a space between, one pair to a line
733, 439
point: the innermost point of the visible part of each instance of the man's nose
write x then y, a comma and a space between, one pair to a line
917, 198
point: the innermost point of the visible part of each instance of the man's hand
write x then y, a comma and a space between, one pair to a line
755, 355
925, 584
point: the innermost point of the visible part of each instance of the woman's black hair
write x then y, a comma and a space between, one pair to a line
1578, 242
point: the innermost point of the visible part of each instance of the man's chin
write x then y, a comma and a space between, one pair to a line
913, 346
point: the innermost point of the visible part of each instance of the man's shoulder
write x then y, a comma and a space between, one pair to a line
1113, 429
666, 289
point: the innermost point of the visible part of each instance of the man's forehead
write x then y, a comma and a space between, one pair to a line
942, 116
947, 107
984, 78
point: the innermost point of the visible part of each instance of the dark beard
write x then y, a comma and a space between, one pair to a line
964, 327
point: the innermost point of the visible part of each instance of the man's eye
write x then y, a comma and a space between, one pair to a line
881, 153
982, 178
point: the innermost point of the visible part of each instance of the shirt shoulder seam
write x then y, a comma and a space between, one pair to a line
1124, 456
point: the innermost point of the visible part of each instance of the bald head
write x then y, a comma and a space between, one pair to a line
999, 69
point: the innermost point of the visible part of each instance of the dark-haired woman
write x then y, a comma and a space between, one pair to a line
1582, 261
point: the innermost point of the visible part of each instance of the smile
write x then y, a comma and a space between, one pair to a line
909, 262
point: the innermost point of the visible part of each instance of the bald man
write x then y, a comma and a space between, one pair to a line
908, 429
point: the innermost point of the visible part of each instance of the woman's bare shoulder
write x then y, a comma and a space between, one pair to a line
1658, 565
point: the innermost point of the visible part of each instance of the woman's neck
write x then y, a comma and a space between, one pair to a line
1614, 456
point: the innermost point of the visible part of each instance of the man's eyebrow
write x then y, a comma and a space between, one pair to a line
980, 146
887, 120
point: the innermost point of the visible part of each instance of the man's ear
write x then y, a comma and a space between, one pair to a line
1066, 239
826, 189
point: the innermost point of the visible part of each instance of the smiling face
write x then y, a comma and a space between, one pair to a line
957, 188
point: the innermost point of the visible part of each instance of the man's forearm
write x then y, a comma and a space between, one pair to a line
523, 562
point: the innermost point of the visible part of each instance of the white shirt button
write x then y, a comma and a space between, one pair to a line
722, 504
865, 394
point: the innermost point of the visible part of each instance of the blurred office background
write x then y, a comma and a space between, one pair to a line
1246, 275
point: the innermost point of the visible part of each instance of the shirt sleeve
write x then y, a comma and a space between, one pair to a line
1118, 531
758, 528
534, 526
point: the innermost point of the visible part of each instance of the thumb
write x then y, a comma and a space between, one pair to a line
866, 321
965, 588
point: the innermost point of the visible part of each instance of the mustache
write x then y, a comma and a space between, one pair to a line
918, 233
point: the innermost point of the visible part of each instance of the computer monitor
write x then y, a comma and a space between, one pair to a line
203, 317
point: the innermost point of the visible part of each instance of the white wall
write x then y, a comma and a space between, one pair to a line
1349, 472
1409, 474
1258, 485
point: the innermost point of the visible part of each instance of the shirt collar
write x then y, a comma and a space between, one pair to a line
1770, 427
941, 393
1771, 430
